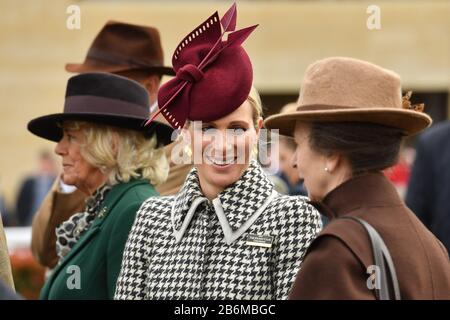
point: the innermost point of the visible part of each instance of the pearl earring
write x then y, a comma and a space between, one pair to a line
326, 169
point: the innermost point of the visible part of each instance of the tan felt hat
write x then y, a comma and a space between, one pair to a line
342, 89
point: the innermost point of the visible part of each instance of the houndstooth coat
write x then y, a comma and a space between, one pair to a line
248, 243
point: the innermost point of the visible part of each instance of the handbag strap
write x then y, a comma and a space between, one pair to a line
383, 260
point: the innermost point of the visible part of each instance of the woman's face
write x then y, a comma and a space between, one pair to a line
222, 148
310, 164
76, 170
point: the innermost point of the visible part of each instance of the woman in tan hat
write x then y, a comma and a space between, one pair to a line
349, 126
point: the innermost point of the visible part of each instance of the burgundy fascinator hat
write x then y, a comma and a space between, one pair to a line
214, 74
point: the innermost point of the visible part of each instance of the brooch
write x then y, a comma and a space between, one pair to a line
406, 104
102, 212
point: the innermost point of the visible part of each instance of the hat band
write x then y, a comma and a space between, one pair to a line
115, 58
323, 107
102, 105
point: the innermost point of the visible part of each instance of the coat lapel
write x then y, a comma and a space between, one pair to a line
185, 204
237, 207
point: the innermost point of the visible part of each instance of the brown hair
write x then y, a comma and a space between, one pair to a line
368, 147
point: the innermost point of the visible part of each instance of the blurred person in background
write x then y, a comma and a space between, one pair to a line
287, 173
115, 161
34, 189
429, 186
286, 150
286, 180
132, 51
400, 173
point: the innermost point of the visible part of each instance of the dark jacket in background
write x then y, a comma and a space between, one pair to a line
31, 193
6, 293
428, 194
336, 264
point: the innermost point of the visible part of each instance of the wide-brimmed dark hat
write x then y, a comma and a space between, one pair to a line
106, 99
122, 46
340, 89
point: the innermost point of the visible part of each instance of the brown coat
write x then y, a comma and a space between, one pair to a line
336, 263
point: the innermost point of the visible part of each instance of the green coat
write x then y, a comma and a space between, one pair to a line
91, 268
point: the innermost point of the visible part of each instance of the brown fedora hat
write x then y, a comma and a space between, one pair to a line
346, 89
122, 46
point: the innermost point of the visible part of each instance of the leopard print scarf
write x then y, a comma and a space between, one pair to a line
70, 231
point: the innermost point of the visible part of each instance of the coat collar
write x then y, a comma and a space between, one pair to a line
365, 191
236, 207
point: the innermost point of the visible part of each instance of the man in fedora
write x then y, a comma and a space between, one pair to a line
129, 50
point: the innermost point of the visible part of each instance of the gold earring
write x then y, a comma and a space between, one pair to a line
255, 151
187, 150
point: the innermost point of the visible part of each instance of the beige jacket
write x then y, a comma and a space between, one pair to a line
5, 264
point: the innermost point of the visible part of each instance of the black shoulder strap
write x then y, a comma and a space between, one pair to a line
383, 260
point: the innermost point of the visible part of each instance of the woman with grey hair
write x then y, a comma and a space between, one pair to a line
110, 156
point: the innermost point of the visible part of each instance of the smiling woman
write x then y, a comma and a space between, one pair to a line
227, 234
109, 156
226, 145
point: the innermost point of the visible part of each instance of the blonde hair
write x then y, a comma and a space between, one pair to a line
255, 102
122, 153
